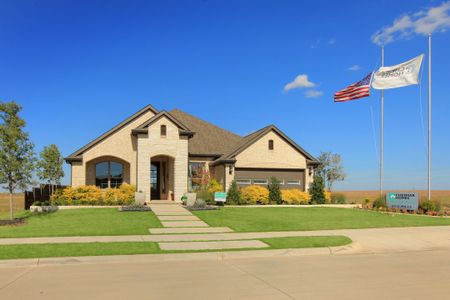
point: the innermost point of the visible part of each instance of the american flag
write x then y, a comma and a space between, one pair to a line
357, 90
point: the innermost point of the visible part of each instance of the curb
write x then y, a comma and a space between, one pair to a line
195, 256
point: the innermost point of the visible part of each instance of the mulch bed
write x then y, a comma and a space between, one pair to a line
191, 208
15, 222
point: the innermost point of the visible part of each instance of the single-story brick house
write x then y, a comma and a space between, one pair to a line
164, 154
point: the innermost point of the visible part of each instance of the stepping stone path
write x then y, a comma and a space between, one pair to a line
175, 219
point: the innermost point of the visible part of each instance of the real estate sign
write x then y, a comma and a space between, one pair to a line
220, 196
406, 200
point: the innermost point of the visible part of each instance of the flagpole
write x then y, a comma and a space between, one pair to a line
381, 129
429, 117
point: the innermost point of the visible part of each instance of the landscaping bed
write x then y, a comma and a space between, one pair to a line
14, 222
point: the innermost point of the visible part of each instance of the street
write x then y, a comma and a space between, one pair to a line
399, 275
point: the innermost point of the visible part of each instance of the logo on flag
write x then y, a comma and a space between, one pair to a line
357, 90
400, 75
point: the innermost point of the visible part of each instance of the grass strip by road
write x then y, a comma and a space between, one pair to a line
82, 222
129, 248
247, 219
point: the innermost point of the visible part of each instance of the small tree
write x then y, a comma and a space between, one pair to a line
330, 169
234, 194
317, 190
50, 166
274, 191
16, 152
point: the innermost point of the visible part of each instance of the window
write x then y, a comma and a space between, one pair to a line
243, 181
108, 174
260, 181
196, 173
293, 182
270, 144
163, 130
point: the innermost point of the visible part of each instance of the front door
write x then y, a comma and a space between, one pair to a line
154, 180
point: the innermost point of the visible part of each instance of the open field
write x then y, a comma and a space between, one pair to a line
19, 202
247, 219
83, 222
358, 196
127, 248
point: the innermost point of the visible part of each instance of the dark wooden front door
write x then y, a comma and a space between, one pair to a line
154, 180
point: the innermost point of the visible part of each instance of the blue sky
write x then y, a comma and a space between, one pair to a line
80, 67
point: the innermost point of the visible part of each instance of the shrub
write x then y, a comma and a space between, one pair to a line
255, 194
380, 202
234, 194
295, 196
205, 195
274, 191
214, 186
327, 195
430, 206
317, 191
199, 203
337, 198
92, 195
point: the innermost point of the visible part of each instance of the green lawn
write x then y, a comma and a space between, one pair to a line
83, 222
124, 248
291, 218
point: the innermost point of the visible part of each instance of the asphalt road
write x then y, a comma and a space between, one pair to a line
400, 275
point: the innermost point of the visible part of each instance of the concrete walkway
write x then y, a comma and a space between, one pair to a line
373, 240
176, 219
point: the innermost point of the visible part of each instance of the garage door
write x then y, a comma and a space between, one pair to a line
289, 178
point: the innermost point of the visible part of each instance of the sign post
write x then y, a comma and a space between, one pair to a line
220, 197
406, 200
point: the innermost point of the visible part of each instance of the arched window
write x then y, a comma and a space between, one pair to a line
163, 130
270, 144
108, 174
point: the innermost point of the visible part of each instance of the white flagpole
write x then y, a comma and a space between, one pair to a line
429, 117
381, 129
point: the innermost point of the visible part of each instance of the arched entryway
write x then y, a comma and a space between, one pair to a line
161, 177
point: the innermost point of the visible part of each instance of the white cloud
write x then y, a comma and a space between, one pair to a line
313, 93
422, 22
354, 68
301, 81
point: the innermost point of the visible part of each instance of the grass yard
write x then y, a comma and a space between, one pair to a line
128, 248
312, 218
82, 222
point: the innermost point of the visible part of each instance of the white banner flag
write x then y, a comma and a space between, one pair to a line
400, 75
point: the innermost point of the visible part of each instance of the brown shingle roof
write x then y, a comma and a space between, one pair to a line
209, 139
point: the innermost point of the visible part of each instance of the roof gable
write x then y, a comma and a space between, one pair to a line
76, 156
250, 139
143, 128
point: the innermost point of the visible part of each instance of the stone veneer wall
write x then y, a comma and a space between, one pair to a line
152, 144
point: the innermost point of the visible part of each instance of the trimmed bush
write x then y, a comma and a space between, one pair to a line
234, 196
337, 198
295, 196
92, 195
255, 194
380, 202
317, 191
274, 191
430, 206
214, 186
